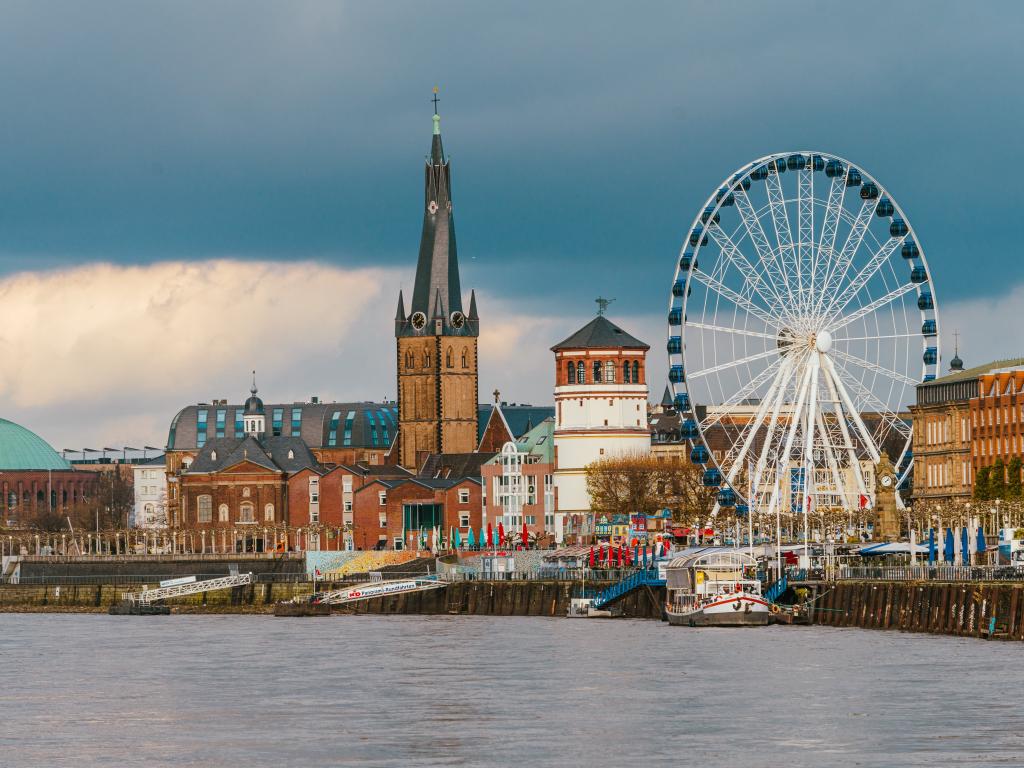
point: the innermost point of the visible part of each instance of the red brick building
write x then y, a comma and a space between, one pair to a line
388, 514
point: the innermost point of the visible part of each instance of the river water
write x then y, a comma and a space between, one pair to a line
247, 691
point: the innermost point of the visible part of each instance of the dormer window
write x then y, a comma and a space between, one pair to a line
291, 454
213, 455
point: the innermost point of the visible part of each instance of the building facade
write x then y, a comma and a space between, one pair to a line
150, 485
436, 340
600, 409
518, 485
997, 420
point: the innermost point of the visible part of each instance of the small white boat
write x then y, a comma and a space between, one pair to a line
714, 587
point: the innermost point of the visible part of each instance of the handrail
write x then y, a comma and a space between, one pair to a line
642, 577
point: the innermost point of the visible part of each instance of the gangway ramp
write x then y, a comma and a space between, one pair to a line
148, 596
378, 588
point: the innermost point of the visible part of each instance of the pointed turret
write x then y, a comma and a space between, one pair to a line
437, 270
400, 314
666, 400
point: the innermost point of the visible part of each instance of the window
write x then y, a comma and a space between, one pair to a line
626, 378
348, 506
204, 508
465, 359
332, 435
609, 372
570, 372
463, 495
464, 519
531, 519
296, 422
278, 421
314, 490
636, 371
383, 519
291, 454
245, 492
346, 484
426, 359
409, 359
239, 421
222, 513
268, 512
448, 358
245, 513
597, 371
213, 455
349, 418
581, 373
382, 498
221, 417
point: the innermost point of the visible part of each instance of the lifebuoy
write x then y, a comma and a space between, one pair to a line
775, 608
737, 604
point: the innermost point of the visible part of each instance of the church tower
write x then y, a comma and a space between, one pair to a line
437, 340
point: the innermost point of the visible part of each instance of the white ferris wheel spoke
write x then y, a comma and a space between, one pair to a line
880, 257
752, 427
841, 265
828, 448
845, 430
769, 438
750, 275
741, 394
878, 337
869, 443
731, 329
783, 233
878, 303
887, 372
728, 293
752, 223
806, 252
869, 399
732, 364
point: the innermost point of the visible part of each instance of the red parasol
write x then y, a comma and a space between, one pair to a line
501, 533
489, 536
526, 536
591, 557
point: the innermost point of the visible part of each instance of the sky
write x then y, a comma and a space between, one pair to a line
192, 190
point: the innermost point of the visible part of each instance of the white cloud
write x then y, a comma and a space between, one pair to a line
989, 327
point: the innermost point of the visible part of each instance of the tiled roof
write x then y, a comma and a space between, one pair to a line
520, 418
452, 465
600, 333
277, 454
973, 373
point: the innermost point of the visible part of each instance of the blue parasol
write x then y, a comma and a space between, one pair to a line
932, 549
981, 538
948, 549
471, 539
458, 539
965, 549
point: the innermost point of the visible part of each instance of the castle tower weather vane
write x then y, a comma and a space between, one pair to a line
602, 304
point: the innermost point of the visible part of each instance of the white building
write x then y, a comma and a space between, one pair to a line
150, 493
600, 409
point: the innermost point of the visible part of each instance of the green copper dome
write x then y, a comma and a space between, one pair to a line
21, 449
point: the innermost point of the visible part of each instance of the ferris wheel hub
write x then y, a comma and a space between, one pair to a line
823, 341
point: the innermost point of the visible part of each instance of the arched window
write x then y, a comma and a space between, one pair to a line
291, 454
213, 455
409, 359
465, 359
268, 512
245, 513
570, 372
426, 359
581, 373
609, 372
222, 513
626, 378
636, 371
597, 371
204, 508
448, 358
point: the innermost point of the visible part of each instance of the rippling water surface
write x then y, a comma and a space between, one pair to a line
248, 691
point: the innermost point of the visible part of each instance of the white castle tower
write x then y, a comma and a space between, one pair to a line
600, 410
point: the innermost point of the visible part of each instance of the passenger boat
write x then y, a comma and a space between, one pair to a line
714, 587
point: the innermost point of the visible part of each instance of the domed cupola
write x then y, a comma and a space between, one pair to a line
255, 420
956, 364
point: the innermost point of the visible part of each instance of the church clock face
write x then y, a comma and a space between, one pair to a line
419, 320
886, 480
458, 319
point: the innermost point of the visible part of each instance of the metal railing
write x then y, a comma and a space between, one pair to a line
931, 573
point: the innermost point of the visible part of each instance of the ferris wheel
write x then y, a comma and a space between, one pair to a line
801, 318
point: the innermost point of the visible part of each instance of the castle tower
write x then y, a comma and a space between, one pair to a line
600, 410
437, 341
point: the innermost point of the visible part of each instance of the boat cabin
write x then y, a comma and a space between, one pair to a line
701, 574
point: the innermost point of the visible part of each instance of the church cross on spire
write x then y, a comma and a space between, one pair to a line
435, 99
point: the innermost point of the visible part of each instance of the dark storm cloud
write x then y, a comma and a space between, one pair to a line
584, 136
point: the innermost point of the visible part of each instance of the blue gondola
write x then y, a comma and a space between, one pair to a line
918, 275
695, 236
679, 287
909, 250
742, 510
708, 215
929, 328
796, 162
898, 228
818, 163
869, 191
686, 260
833, 168
681, 402
699, 455
675, 374
779, 165
744, 182
726, 497
675, 345
712, 478
929, 377
688, 431
725, 197
931, 356
924, 301
853, 178
884, 208
675, 315
760, 173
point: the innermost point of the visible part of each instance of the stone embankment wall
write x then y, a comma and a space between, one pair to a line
252, 598
964, 609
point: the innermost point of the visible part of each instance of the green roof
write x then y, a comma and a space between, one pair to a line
973, 373
22, 449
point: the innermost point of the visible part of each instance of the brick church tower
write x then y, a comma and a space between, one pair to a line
437, 341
